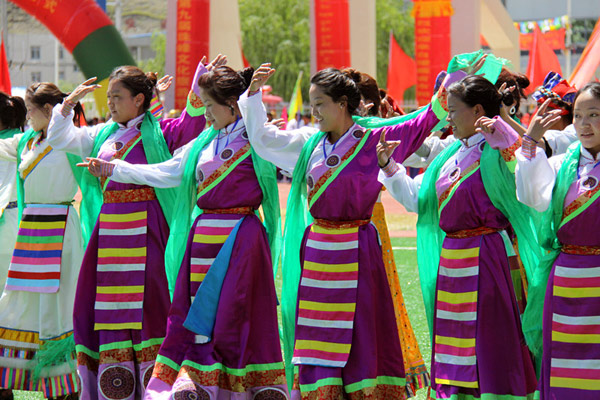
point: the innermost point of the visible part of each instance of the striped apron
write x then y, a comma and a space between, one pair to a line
456, 309
327, 294
35, 264
120, 275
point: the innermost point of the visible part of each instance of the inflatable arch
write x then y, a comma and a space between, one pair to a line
87, 33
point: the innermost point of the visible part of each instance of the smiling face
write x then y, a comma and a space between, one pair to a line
39, 117
328, 114
122, 104
462, 117
586, 119
217, 114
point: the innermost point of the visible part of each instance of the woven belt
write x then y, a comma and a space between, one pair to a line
12, 204
581, 250
329, 224
235, 210
129, 196
468, 233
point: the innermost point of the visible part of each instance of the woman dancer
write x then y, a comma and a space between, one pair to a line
122, 297
345, 340
566, 188
36, 308
12, 120
222, 339
478, 348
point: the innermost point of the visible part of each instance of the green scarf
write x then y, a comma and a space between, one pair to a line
499, 184
548, 228
73, 160
186, 211
156, 151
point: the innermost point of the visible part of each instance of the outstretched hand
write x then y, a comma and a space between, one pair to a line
279, 123
219, 60
476, 66
261, 76
541, 121
97, 167
84, 88
385, 149
164, 83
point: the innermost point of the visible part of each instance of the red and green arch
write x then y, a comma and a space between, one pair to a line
86, 31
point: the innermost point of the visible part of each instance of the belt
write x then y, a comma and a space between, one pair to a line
129, 196
468, 233
581, 250
235, 210
329, 224
12, 204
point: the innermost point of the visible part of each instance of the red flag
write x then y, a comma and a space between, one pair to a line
244, 60
402, 71
5, 85
589, 61
541, 60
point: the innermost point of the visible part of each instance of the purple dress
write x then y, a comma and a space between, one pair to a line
117, 347
347, 342
243, 357
571, 320
478, 347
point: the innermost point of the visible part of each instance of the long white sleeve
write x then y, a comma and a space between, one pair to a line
559, 141
431, 147
8, 147
280, 147
65, 136
166, 174
535, 179
403, 188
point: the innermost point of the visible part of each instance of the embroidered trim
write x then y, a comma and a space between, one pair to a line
129, 196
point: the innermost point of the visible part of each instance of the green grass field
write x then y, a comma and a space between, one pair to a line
406, 260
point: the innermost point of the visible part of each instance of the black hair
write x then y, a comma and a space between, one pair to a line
223, 83
339, 86
475, 89
136, 81
13, 112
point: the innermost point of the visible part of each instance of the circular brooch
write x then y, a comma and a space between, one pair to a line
226, 154
190, 391
454, 174
358, 134
310, 181
590, 183
333, 161
117, 146
245, 135
200, 175
139, 126
481, 145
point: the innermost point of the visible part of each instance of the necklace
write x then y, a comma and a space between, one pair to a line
226, 135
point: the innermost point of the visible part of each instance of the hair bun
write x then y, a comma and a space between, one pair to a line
353, 74
152, 78
246, 75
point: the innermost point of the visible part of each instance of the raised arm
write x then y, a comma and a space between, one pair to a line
63, 134
162, 175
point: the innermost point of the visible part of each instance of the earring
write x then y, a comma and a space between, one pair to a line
232, 110
513, 110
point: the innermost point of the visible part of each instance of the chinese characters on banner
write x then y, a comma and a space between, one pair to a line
193, 32
332, 31
432, 43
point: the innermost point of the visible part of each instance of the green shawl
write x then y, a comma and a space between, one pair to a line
551, 220
186, 211
499, 184
156, 151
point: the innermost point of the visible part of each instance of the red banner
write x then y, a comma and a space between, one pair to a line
432, 50
556, 39
332, 30
193, 33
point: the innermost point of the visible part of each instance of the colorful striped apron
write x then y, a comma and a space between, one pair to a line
120, 275
327, 294
35, 264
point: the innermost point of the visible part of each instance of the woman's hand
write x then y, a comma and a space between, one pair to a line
279, 123
476, 66
97, 167
385, 149
83, 89
164, 83
261, 76
217, 62
541, 121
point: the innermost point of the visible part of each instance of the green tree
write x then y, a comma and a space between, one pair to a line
278, 31
394, 16
156, 64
